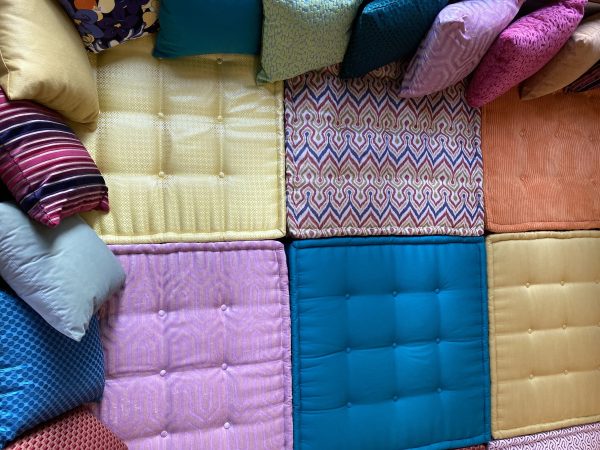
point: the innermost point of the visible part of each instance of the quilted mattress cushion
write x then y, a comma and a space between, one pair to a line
393, 354
198, 348
361, 160
191, 149
585, 437
544, 330
541, 171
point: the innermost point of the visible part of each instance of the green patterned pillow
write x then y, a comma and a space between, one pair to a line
304, 35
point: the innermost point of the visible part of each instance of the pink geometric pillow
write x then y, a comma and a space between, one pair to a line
460, 36
523, 49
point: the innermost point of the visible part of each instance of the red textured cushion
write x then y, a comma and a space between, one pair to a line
77, 429
45, 166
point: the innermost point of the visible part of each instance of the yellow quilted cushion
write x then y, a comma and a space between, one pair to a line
544, 306
191, 148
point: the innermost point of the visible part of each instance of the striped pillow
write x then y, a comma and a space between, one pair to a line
45, 166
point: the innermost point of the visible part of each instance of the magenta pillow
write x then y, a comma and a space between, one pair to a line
44, 165
459, 37
523, 49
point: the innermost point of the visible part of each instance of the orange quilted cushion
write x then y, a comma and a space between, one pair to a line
77, 429
541, 162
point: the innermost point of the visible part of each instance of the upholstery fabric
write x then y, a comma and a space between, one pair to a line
459, 37
389, 342
44, 165
214, 26
44, 373
474, 447
588, 81
303, 35
103, 24
34, 67
191, 149
544, 330
579, 54
524, 48
64, 273
77, 429
198, 348
586, 437
541, 172
386, 31
363, 161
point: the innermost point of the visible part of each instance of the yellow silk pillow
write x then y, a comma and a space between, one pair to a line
43, 59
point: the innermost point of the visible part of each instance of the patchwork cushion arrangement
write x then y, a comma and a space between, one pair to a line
42, 162
44, 373
586, 437
361, 160
34, 67
191, 149
389, 341
77, 429
523, 48
457, 40
103, 24
588, 81
303, 35
199, 28
579, 54
386, 31
544, 330
198, 348
541, 172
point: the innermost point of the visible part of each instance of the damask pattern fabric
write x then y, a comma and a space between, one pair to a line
590, 80
76, 430
198, 348
586, 437
44, 374
459, 37
524, 48
45, 166
303, 35
361, 160
103, 24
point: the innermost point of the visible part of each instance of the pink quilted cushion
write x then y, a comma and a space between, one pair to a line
197, 348
524, 48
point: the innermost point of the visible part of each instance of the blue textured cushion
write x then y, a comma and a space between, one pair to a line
385, 31
208, 26
42, 372
389, 342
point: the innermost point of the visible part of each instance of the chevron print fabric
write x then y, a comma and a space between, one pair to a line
361, 160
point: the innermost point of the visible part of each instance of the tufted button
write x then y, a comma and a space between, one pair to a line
395, 398
161, 114
347, 295
527, 285
164, 434
437, 340
349, 405
437, 291
394, 345
557, 134
523, 178
161, 174
566, 372
394, 293
562, 283
162, 313
522, 132
439, 390
162, 373
347, 349
224, 366
564, 327
223, 307
219, 60
221, 175
530, 331
220, 118
227, 425
531, 376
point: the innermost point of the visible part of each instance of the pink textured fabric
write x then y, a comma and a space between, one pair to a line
524, 48
197, 348
586, 437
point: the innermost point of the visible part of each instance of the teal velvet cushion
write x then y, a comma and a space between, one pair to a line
208, 26
386, 31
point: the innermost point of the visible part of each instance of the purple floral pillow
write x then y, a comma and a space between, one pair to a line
103, 24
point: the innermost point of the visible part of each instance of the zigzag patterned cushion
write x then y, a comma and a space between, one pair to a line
586, 437
198, 348
363, 161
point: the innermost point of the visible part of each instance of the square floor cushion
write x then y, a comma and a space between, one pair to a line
361, 160
190, 148
198, 348
541, 163
585, 437
389, 342
44, 373
544, 330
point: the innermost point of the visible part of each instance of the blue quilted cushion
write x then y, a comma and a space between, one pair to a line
43, 373
385, 31
389, 343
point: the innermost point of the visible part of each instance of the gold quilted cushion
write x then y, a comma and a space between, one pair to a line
544, 292
191, 148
